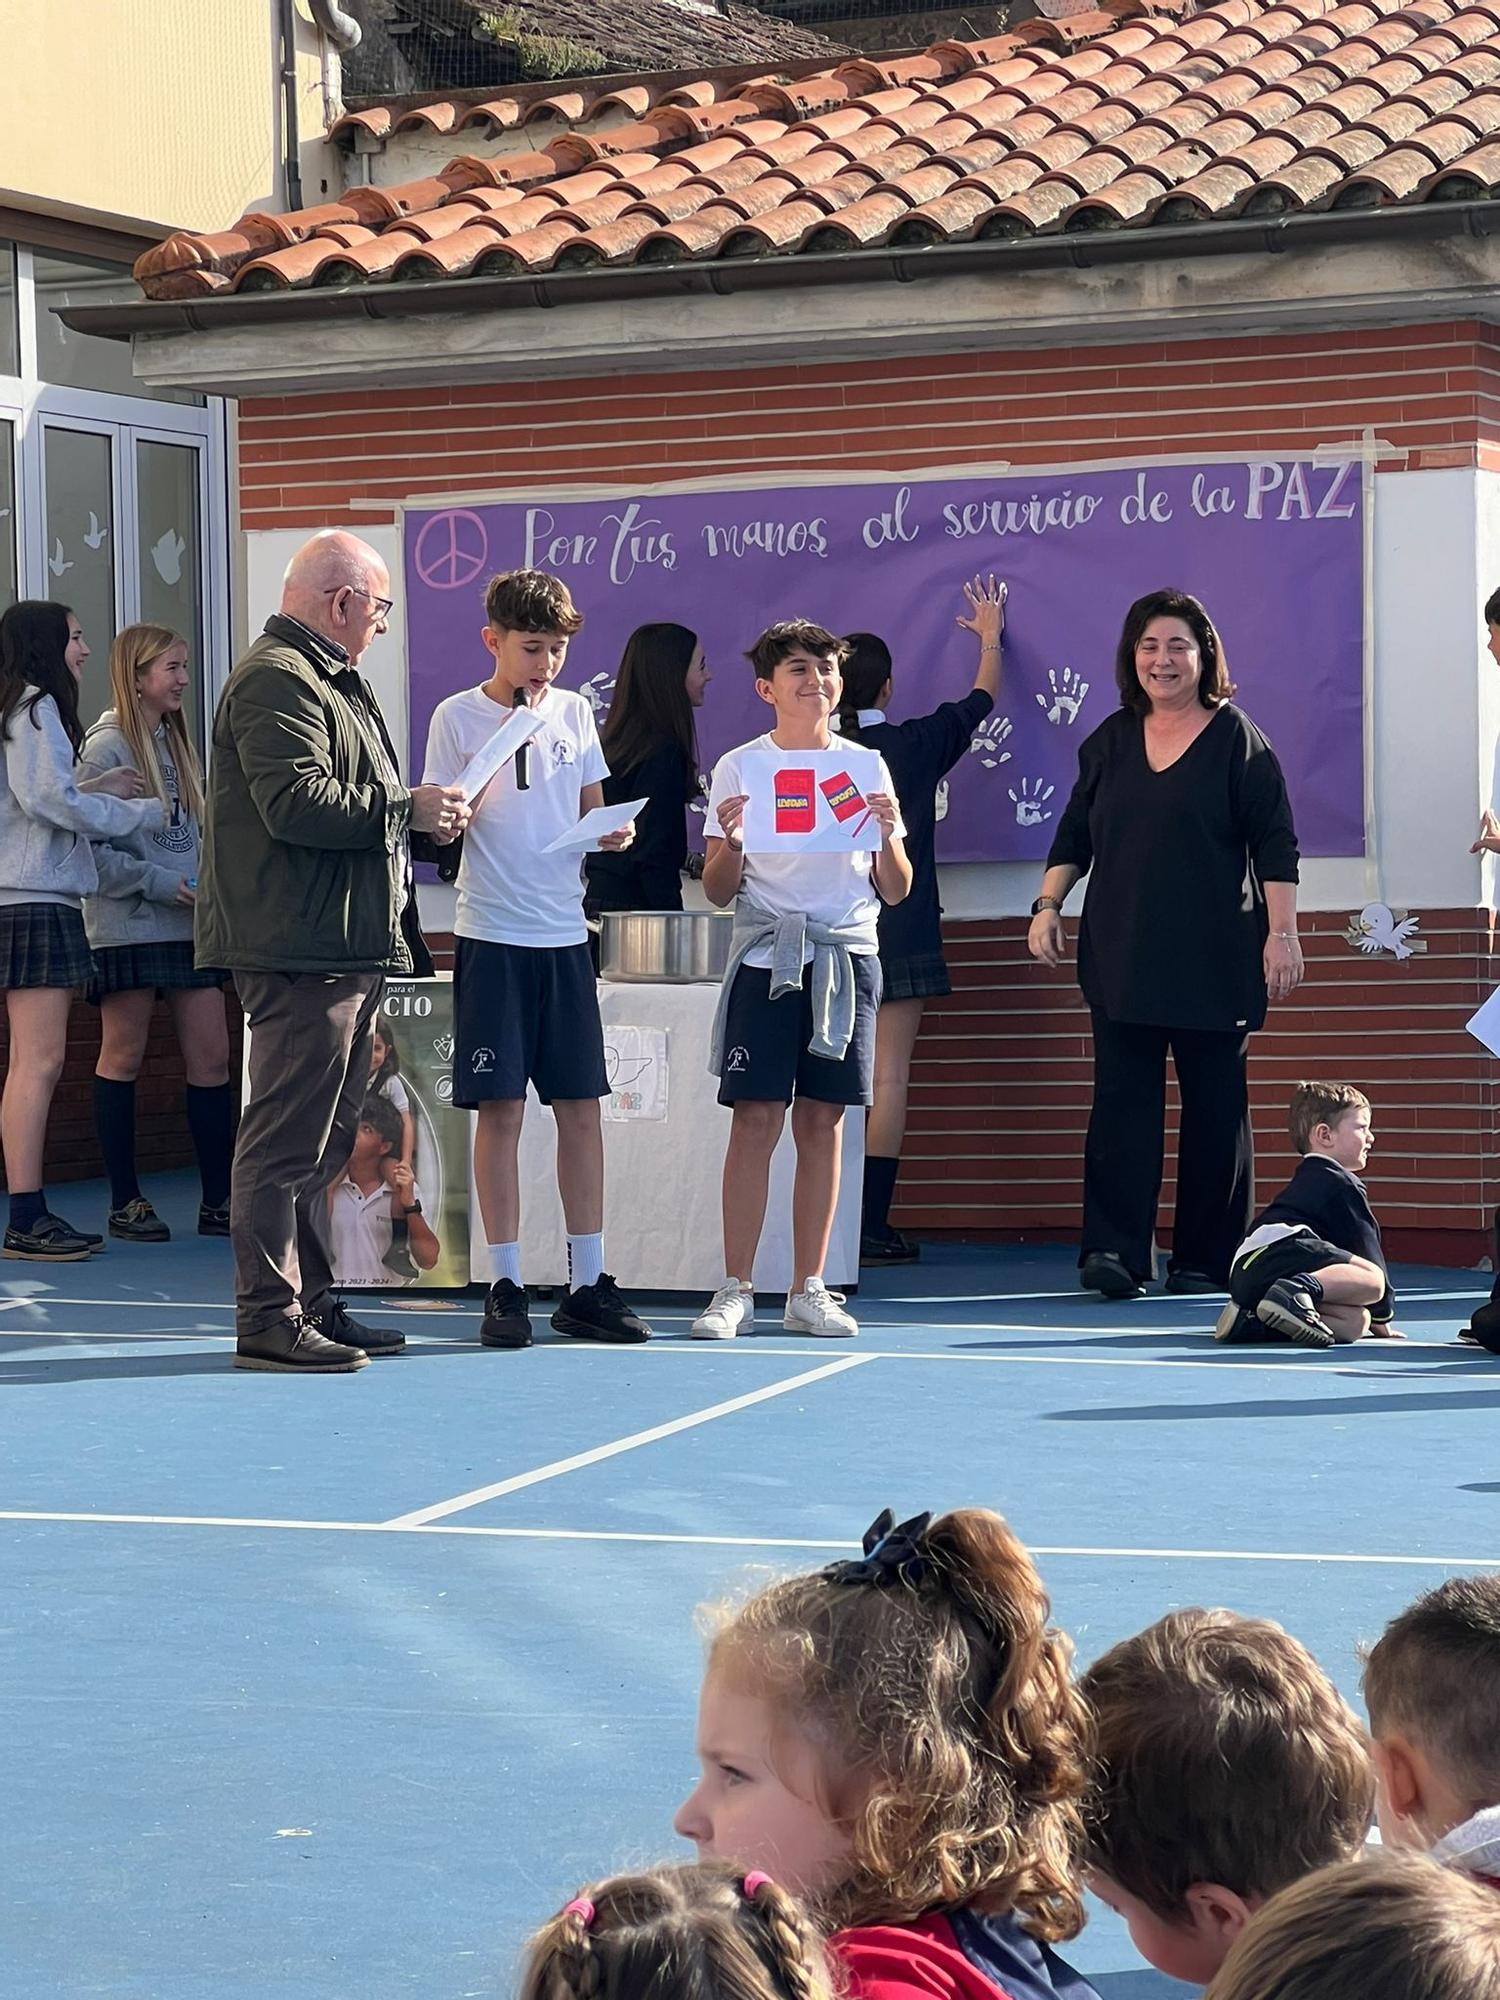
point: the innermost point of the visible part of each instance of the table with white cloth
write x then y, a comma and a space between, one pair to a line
662, 1173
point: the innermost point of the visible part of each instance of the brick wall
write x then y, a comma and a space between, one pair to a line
161, 1124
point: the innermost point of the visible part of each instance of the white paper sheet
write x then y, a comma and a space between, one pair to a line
805, 802
518, 727
1485, 1025
592, 828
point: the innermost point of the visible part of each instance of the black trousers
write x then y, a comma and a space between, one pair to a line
1123, 1157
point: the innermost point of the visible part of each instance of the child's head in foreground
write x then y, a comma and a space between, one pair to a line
1492, 622
1228, 1766
799, 670
899, 1733
1385, 1927
677, 1934
529, 618
1432, 1687
1333, 1119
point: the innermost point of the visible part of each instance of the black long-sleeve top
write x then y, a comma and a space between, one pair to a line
648, 874
1331, 1201
919, 753
1174, 919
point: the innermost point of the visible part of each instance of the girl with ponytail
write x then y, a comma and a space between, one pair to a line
678, 1934
897, 1738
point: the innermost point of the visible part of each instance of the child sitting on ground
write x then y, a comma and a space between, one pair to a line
1432, 1686
796, 1019
1227, 1766
375, 1214
897, 1739
1386, 1927
1312, 1271
678, 1934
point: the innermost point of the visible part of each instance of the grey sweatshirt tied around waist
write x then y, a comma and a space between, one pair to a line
832, 974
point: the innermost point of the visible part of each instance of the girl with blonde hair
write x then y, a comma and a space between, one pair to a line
140, 926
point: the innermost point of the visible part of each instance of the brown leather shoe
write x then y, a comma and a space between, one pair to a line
297, 1348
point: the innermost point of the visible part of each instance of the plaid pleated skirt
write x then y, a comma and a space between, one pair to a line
167, 966
921, 975
43, 944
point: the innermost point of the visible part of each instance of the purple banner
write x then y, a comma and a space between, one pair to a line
1274, 547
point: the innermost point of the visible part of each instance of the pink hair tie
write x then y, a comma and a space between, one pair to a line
754, 1883
581, 1908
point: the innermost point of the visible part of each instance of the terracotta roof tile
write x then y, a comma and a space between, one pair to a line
1145, 113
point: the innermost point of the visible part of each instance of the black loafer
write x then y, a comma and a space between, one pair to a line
213, 1221
892, 1248
336, 1323
1193, 1284
506, 1323
49, 1240
138, 1222
1102, 1271
297, 1348
599, 1312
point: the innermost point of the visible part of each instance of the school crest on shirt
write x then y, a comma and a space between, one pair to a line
563, 751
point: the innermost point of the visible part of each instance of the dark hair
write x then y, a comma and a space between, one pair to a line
33, 645
382, 1116
950, 1700
1320, 1104
1492, 608
678, 1934
651, 706
867, 668
529, 600
392, 1064
1434, 1674
794, 635
1214, 685
1384, 1927
1223, 1754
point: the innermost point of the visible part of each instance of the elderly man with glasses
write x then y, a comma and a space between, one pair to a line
305, 894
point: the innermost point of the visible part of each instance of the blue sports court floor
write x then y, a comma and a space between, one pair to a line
331, 1689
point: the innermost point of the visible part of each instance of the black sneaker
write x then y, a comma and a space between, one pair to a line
1238, 1328
138, 1222
336, 1323
892, 1248
599, 1312
1104, 1272
1288, 1309
297, 1348
213, 1221
49, 1240
1193, 1284
506, 1320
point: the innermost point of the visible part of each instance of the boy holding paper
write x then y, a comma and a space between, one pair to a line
803, 832
524, 1003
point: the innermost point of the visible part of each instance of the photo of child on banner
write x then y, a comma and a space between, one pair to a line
811, 806
399, 1214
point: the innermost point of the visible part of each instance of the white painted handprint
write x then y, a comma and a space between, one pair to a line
986, 741
599, 688
1068, 692
1030, 801
940, 800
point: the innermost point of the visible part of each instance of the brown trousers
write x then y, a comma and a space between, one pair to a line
311, 1038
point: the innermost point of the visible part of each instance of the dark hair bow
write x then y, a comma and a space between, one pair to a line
891, 1554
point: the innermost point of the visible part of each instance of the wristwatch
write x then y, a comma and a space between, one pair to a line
414, 1208
1046, 903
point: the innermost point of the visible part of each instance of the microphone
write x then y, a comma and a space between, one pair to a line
523, 776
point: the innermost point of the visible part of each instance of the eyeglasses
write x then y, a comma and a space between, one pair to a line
384, 606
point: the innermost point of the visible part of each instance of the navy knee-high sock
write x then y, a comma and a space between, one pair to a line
210, 1117
114, 1119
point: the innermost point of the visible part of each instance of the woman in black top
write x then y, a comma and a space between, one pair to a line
919, 753
650, 742
1181, 822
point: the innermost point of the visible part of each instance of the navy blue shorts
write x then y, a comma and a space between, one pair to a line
525, 1014
766, 1057
1305, 1252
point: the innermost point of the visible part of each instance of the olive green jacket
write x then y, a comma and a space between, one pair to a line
306, 863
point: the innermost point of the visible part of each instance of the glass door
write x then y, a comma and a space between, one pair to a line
80, 514
10, 574
168, 535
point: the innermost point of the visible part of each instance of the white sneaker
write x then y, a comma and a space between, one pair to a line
728, 1312
817, 1310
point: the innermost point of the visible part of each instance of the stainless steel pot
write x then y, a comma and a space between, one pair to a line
668, 947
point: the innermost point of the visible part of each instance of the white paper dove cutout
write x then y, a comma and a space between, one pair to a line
1378, 929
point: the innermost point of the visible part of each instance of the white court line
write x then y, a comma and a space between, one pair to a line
409, 1525
422, 1516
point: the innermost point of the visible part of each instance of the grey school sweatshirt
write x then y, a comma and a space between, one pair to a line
46, 822
139, 872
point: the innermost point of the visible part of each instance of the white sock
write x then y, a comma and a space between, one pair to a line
505, 1262
585, 1260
